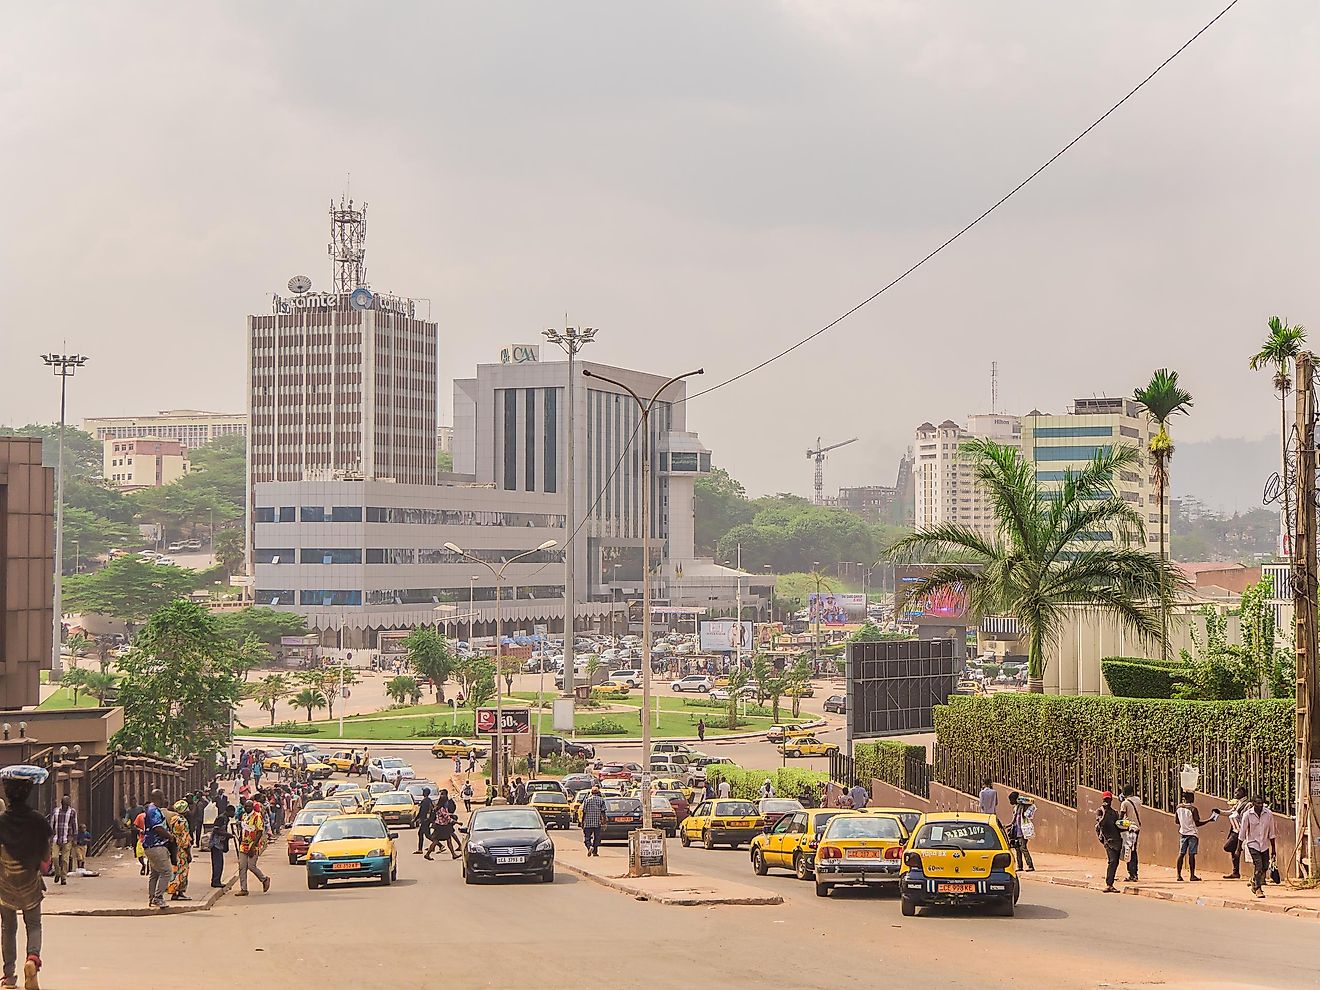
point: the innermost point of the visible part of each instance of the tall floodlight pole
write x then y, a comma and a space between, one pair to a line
644, 407
498, 775
571, 340
64, 366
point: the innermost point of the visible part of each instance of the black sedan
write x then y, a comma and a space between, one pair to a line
622, 815
508, 841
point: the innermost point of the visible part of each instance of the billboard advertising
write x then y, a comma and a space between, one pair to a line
836, 610
725, 636
948, 606
517, 721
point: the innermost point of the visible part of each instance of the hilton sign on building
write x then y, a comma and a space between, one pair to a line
342, 384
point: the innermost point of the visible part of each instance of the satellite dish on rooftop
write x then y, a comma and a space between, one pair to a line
299, 284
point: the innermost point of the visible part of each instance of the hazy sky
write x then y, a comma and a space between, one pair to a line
703, 181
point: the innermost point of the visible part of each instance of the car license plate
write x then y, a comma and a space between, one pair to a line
861, 854
345, 866
617, 818
509, 860
955, 888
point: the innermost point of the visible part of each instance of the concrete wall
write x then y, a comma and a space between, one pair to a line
90, 728
27, 567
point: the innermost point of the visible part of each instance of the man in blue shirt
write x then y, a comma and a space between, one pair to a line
155, 844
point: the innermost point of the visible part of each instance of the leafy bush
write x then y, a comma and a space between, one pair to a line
1129, 678
746, 784
603, 727
561, 764
886, 760
288, 729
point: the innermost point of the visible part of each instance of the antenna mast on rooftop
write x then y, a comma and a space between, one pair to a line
348, 245
994, 387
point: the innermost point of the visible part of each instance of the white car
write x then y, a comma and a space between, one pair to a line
724, 694
626, 678
390, 769
693, 682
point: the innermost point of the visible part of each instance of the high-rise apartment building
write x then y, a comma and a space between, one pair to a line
945, 489
1055, 444
191, 427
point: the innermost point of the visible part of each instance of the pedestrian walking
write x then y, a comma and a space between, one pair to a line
458, 764
724, 789
490, 793
176, 819
64, 831
593, 816
250, 845
519, 791
467, 794
82, 843
218, 843
425, 815
24, 845
1129, 810
859, 796
1022, 829
156, 843
1189, 835
1111, 837
197, 818
1233, 844
472, 761
442, 833
989, 798
701, 730
1259, 836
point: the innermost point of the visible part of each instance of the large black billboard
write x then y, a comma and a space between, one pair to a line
893, 685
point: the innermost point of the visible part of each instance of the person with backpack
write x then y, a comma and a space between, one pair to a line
442, 832
1129, 810
1021, 830
467, 793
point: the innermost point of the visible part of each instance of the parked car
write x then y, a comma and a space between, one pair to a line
773, 809
549, 745
837, 703
692, 682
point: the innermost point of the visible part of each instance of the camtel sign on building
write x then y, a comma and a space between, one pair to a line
358, 299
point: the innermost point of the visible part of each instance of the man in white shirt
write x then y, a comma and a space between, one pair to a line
1258, 834
859, 796
1189, 837
724, 788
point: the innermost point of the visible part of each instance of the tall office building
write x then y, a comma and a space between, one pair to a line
946, 491
1056, 443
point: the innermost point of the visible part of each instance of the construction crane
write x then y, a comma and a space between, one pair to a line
819, 454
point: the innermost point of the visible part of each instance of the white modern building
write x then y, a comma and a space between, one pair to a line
945, 489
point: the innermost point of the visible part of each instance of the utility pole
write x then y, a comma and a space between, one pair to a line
64, 366
1304, 608
738, 627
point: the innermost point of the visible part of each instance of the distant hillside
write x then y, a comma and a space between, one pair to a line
1226, 474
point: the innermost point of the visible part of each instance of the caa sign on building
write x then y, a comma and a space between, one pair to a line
520, 354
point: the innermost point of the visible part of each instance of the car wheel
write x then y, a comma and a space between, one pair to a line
293, 860
1006, 908
707, 840
832, 751
386, 878
394, 872
800, 869
312, 882
704, 689
548, 876
758, 863
822, 889
683, 839
908, 907
793, 752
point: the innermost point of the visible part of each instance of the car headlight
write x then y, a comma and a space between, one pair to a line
317, 856
476, 847
545, 845
375, 854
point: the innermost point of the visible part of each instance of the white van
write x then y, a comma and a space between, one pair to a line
626, 678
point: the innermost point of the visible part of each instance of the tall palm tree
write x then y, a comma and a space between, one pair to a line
309, 698
1044, 556
1162, 398
1280, 349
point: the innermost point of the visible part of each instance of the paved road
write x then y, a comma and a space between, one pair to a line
502, 935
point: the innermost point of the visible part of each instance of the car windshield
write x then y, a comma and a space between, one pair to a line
958, 835
670, 795
864, 827
535, 786
659, 803
393, 764
780, 806
735, 809
622, 805
908, 818
823, 821
393, 799
551, 797
351, 828
312, 817
512, 818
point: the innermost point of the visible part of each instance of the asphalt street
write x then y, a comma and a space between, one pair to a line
429, 927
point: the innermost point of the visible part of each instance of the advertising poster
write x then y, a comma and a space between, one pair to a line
836, 610
725, 636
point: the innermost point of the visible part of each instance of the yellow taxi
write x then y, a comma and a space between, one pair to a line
284, 763
552, 807
908, 816
958, 858
452, 746
350, 847
575, 805
728, 820
304, 827
807, 746
857, 848
395, 808
674, 784
351, 797
609, 690
343, 761
378, 787
791, 842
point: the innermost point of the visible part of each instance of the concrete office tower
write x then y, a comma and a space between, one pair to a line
945, 489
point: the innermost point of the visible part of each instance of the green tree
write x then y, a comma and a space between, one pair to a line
1278, 352
178, 685
269, 692
444, 461
799, 676
252, 655
127, 588
476, 674
79, 645
308, 698
75, 678
592, 667
429, 654
266, 624
182, 509
737, 681
100, 683
775, 688
327, 680
1162, 398
87, 535
720, 505
403, 687
509, 667
219, 470
1042, 559
868, 633
228, 550
762, 673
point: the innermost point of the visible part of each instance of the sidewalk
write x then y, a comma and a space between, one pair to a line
610, 869
1160, 882
120, 891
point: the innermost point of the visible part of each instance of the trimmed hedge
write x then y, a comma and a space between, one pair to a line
886, 760
1140, 679
788, 782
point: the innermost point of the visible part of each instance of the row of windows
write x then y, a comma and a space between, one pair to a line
685, 462
1071, 452
1073, 431
464, 517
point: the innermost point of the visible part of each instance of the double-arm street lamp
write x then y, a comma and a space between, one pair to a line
497, 770
64, 366
644, 407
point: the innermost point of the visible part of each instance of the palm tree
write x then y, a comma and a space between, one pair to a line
737, 681
799, 676
309, 698
1163, 399
100, 684
1280, 349
75, 678
1044, 556
402, 687
269, 692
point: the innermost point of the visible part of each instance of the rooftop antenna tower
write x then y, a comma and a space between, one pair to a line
348, 245
994, 387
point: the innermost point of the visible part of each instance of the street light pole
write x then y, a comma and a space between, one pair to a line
644, 408
64, 366
571, 340
498, 774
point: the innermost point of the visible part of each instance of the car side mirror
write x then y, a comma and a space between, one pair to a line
394, 835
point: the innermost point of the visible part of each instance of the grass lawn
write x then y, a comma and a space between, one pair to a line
63, 698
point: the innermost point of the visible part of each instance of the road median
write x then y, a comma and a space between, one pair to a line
610, 869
